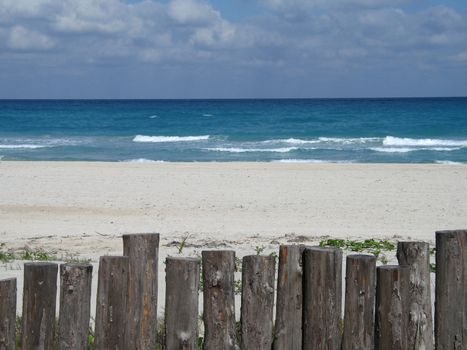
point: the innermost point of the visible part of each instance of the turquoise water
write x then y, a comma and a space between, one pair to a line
316, 130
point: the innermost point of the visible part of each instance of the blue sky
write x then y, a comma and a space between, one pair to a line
232, 49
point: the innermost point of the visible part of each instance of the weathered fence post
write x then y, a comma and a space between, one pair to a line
451, 290
219, 300
7, 313
359, 314
288, 329
322, 298
391, 307
181, 303
416, 255
39, 303
258, 273
75, 304
111, 303
143, 253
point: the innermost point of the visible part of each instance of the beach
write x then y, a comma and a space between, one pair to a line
80, 207
79, 210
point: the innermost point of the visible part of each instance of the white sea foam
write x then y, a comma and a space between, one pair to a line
244, 150
24, 146
313, 161
292, 141
143, 160
143, 138
154, 116
450, 162
397, 141
349, 141
412, 149
333, 140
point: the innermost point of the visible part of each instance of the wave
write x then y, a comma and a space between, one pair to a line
412, 149
338, 140
3, 146
143, 160
313, 161
207, 115
397, 141
244, 150
349, 141
154, 116
143, 138
450, 162
292, 141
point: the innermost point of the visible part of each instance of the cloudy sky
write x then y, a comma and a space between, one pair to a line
232, 48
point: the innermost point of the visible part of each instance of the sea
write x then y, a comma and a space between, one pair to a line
386, 130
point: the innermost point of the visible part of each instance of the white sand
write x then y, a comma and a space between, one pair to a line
81, 209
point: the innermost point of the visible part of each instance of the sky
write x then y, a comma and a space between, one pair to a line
232, 48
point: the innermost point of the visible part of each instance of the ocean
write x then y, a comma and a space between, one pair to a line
419, 130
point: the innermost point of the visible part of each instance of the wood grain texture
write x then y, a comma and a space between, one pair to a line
391, 307
289, 305
218, 300
39, 303
359, 314
7, 313
322, 295
258, 274
111, 303
451, 290
416, 255
75, 306
143, 253
181, 303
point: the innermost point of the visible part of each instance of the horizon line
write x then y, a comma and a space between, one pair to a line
232, 98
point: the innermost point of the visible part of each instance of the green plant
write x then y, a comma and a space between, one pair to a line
384, 260
238, 287
5, 256
259, 249
19, 331
238, 264
433, 267
39, 255
374, 246
183, 244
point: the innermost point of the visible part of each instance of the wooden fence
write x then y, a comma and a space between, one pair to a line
386, 307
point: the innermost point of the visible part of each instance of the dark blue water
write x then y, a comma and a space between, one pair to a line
328, 130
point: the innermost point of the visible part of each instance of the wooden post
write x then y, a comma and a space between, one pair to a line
322, 298
181, 303
111, 303
359, 314
288, 329
39, 303
143, 252
219, 300
391, 307
416, 255
7, 313
257, 307
75, 304
451, 290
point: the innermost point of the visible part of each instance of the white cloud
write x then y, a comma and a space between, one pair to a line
192, 12
21, 38
331, 35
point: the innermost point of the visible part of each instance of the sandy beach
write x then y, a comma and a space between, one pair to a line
76, 206
80, 210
